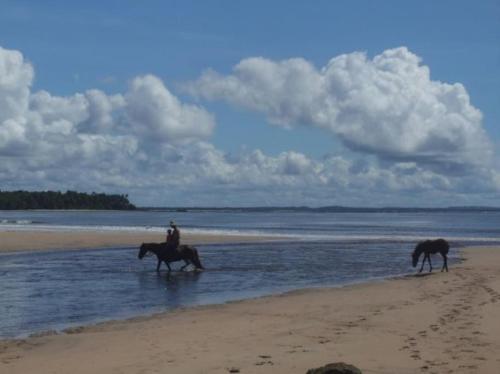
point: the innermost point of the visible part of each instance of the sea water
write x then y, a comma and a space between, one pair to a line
53, 290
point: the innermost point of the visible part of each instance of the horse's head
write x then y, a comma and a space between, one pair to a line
416, 254
142, 251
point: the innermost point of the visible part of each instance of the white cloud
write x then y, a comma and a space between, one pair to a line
146, 110
89, 140
91, 126
152, 111
101, 109
387, 106
148, 143
15, 81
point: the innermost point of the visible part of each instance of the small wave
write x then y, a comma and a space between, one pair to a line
16, 222
354, 237
31, 226
24, 222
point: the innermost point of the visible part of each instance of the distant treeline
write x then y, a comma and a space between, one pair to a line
10, 200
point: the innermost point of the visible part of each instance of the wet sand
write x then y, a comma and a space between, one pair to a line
437, 323
11, 241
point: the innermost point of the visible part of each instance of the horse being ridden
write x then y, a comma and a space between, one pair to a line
429, 247
167, 254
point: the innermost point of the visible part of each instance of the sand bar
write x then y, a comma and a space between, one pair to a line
11, 241
440, 323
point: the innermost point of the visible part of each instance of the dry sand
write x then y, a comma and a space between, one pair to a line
440, 323
11, 241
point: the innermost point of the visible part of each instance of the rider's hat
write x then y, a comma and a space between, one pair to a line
172, 223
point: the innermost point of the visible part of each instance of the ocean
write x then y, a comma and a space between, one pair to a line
53, 290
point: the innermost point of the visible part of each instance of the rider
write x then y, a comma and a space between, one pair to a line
175, 238
169, 236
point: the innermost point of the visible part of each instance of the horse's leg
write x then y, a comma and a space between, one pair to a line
423, 263
168, 266
445, 262
186, 264
158, 266
429, 259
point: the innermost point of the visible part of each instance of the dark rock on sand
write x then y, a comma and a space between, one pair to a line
335, 368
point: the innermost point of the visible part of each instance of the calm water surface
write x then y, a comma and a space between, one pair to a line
54, 290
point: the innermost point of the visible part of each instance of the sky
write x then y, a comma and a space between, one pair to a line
261, 103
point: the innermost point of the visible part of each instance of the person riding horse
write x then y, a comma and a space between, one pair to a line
172, 251
175, 237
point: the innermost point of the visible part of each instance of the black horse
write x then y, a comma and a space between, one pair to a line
168, 254
429, 247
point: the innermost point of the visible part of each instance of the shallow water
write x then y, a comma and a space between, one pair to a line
458, 226
54, 290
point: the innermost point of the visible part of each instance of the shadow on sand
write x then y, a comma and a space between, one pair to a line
420, 275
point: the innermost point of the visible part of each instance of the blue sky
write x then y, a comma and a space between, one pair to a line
74, 47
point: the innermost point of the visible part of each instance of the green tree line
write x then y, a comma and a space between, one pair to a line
10, 200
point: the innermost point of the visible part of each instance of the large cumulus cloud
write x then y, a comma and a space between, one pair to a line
387, 106
47, 135
40, 120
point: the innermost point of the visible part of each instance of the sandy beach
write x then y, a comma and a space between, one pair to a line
12, 241
435, 323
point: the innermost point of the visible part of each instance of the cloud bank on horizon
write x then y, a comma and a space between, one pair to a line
413, 137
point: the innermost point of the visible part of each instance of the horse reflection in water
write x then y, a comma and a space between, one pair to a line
168, 290
167, 254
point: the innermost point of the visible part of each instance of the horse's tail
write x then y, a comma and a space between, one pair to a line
196, 259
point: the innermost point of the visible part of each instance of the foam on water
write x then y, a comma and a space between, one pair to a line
26, 225
15, 223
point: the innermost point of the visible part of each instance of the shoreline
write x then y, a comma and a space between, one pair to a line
144, 317
443, 323
37, 240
